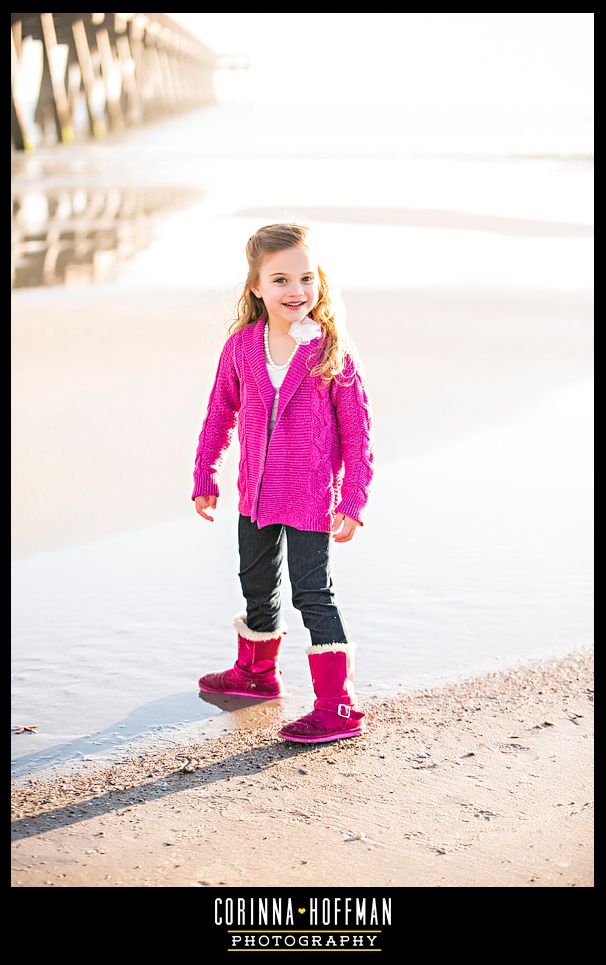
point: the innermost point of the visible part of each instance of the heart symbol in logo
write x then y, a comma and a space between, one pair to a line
301, 910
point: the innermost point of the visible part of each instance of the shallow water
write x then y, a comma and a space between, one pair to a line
476, 553
492, 570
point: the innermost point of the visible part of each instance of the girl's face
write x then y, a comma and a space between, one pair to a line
288, 278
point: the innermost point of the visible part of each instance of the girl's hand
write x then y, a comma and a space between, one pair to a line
203, 502
349, 527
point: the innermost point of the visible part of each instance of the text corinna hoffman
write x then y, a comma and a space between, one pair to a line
330, 912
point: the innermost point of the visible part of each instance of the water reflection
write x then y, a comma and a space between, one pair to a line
79, 235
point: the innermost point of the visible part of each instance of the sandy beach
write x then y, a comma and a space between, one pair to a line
468, 296
484, 784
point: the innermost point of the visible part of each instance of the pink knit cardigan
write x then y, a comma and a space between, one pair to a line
319, 460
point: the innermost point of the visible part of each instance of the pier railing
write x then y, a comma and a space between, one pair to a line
103, 72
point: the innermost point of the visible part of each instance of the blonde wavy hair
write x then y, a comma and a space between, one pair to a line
329, 311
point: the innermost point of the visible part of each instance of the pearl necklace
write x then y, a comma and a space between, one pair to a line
268, 353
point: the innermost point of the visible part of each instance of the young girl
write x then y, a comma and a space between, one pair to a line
293, 386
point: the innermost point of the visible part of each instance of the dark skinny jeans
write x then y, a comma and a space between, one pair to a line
261, 556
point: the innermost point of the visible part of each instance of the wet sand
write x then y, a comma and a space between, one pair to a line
487, 782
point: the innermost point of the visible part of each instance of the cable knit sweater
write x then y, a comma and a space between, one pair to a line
319, 459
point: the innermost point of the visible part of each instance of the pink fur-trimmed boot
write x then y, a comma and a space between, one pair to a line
334, 714
255, 672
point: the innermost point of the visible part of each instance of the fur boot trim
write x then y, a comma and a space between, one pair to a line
334, 647
242, 628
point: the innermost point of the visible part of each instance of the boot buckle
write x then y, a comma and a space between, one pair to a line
344, 710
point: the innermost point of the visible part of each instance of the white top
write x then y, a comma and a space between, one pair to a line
303, 332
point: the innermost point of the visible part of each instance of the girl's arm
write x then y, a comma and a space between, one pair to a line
218, 426
355, 426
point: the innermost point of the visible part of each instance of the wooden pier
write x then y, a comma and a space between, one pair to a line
126, 68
